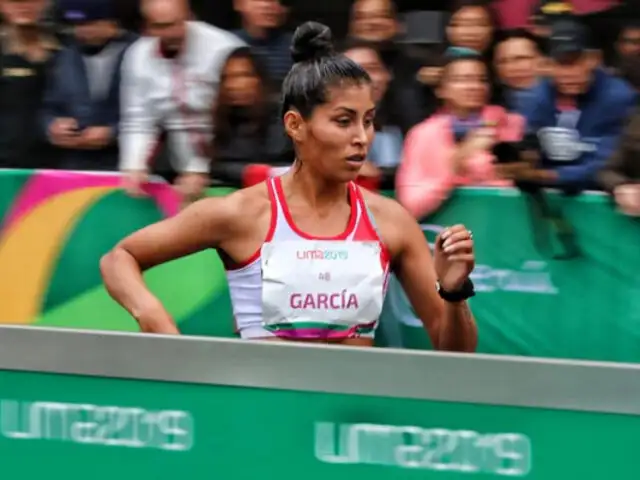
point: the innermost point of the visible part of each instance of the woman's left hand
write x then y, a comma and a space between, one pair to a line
453, 257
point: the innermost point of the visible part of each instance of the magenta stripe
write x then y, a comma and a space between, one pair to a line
45, 184
318, 333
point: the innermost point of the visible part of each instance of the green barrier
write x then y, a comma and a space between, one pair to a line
531, 300
244, 410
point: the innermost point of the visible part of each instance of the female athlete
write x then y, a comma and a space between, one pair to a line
308, 253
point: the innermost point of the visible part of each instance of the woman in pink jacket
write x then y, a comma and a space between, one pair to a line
452, 148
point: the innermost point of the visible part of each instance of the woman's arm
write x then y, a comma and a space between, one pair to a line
451, 326
202, 225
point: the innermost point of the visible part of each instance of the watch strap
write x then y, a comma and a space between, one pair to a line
467, 291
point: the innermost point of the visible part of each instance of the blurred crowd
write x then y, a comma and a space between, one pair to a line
469, 92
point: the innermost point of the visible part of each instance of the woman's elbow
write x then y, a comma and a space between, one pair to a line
113, 261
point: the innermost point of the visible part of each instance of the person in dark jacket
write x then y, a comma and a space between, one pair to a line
578, 114
27, 54
621, 174
376, 21
81, 108
246, 129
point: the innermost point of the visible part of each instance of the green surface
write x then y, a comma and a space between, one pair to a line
79, 427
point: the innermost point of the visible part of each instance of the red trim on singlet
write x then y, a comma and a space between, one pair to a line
369, 230
230, 264
353, 199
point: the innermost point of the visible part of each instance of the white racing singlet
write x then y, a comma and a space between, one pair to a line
305, 287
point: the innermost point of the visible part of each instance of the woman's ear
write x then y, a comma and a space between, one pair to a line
295, 126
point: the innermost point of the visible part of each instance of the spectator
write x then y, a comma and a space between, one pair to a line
386, 149
578, 114
517, 62
245, 132
376, 21
628, 44
621, 174
453, 148
471, 25
169, 82
26, 56
82, 105
262, 22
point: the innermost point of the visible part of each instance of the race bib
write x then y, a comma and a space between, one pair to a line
320, 283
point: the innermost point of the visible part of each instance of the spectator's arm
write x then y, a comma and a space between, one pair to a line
592, 162
424, 178
53, 102
138, 128
190, 150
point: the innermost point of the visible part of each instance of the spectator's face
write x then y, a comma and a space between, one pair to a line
371, 62
373, 20
264, 14
572, 74
471, 27
517, 62
335, 139
240, 82
170, 31
95, 33
22, 12
629, 42
465, 85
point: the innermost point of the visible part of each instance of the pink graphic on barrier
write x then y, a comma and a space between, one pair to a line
45, 184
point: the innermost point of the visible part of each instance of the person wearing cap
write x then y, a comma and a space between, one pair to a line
577, 114
81, 108
170, 81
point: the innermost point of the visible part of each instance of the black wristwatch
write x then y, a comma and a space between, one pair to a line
467, 291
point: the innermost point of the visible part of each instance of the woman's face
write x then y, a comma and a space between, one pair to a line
471, 27
465, 85
371, 62
334, 140
240, 82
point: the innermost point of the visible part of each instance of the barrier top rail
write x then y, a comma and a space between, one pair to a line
486, 379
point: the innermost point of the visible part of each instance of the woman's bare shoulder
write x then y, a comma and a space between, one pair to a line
385, 209
393, 221
241, 207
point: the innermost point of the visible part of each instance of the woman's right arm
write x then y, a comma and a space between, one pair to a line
204, 224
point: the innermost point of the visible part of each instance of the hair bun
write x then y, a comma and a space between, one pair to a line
311, 41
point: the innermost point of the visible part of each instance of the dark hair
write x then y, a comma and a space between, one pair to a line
454, 55
461, 54
258, 113
630, 71
518, 34
316, 68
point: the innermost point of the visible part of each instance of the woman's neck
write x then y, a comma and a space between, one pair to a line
301, 181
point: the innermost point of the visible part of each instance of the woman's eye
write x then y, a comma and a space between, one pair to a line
368, 122
343, 122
